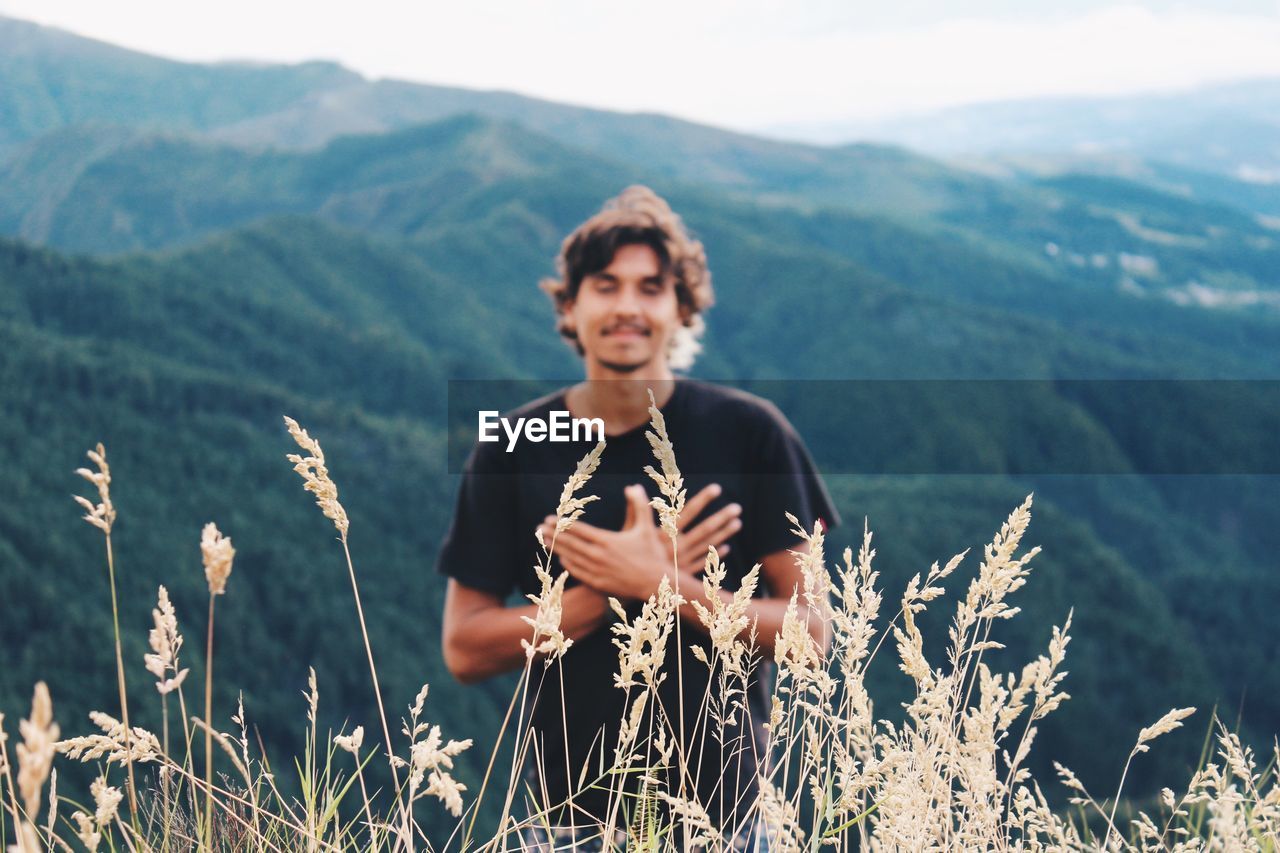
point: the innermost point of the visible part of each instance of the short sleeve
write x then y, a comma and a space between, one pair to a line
786, 481
479, 549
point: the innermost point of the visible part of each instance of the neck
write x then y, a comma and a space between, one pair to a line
620, 399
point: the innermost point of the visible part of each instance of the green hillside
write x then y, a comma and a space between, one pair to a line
67, 81
184, 363
195, 250
462, 186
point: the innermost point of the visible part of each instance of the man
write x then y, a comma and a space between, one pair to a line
629, 298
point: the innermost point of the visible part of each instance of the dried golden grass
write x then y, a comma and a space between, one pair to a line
949, 774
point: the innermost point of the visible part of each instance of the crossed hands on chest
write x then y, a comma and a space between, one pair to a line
630, 563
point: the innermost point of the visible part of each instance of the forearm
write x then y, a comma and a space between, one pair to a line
489, 643
767, 614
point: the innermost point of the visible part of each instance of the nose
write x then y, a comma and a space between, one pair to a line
627, 303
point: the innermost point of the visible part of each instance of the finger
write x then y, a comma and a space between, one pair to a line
697, 563
716, 541
579, 529
631, 513
587, 572
579, 549
693, 576
579, 570
691, 559
587, 533
577, 525
639, 500
716, 529
573, 565
548, 530
713, 538
696, 504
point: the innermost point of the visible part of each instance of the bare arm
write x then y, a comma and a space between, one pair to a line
481, 635
630, 564
779, 575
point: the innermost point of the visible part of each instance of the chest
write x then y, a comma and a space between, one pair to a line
622, 464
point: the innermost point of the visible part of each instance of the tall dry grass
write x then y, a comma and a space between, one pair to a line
948, 774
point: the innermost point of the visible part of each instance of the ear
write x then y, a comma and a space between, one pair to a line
566, 314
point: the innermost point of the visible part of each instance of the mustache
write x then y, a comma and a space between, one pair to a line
626, 327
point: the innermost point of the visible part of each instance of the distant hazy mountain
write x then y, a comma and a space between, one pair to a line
1182, 181
1232, 129
56, 79
50, 78
106, 189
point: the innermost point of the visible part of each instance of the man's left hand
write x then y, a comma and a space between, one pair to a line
628, 563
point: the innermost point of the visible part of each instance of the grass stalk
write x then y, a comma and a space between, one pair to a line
208, 735
124, 697
368, 649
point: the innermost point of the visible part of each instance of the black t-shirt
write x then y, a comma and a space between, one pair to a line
720, 435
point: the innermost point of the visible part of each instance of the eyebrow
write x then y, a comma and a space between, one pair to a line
604, 276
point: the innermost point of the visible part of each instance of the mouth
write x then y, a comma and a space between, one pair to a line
627, 332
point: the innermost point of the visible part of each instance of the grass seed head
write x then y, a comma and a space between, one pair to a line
670, 482
35, 752
548, 639
570, 508
352, 742
1164, 725
217, 553
642, 642
315, 476
165, 641
102, 514
110, 745
106, 801
87, 831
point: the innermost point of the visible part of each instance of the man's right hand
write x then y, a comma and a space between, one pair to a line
693, 541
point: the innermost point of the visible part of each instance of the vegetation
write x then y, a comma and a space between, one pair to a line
346, 278
178, 360
951, 772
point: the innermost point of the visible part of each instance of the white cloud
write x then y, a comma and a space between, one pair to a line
747, 65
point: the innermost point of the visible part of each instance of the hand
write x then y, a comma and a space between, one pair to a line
629, 563
692, 544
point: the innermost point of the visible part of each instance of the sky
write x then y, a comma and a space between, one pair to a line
748, 64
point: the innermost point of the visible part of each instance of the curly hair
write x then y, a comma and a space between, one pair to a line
637, 216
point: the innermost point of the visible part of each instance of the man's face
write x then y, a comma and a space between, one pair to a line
626, 314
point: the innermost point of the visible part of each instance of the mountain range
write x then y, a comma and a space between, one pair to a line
193, 251
1228, 129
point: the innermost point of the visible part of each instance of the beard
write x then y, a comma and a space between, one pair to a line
627, 366
623, 366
